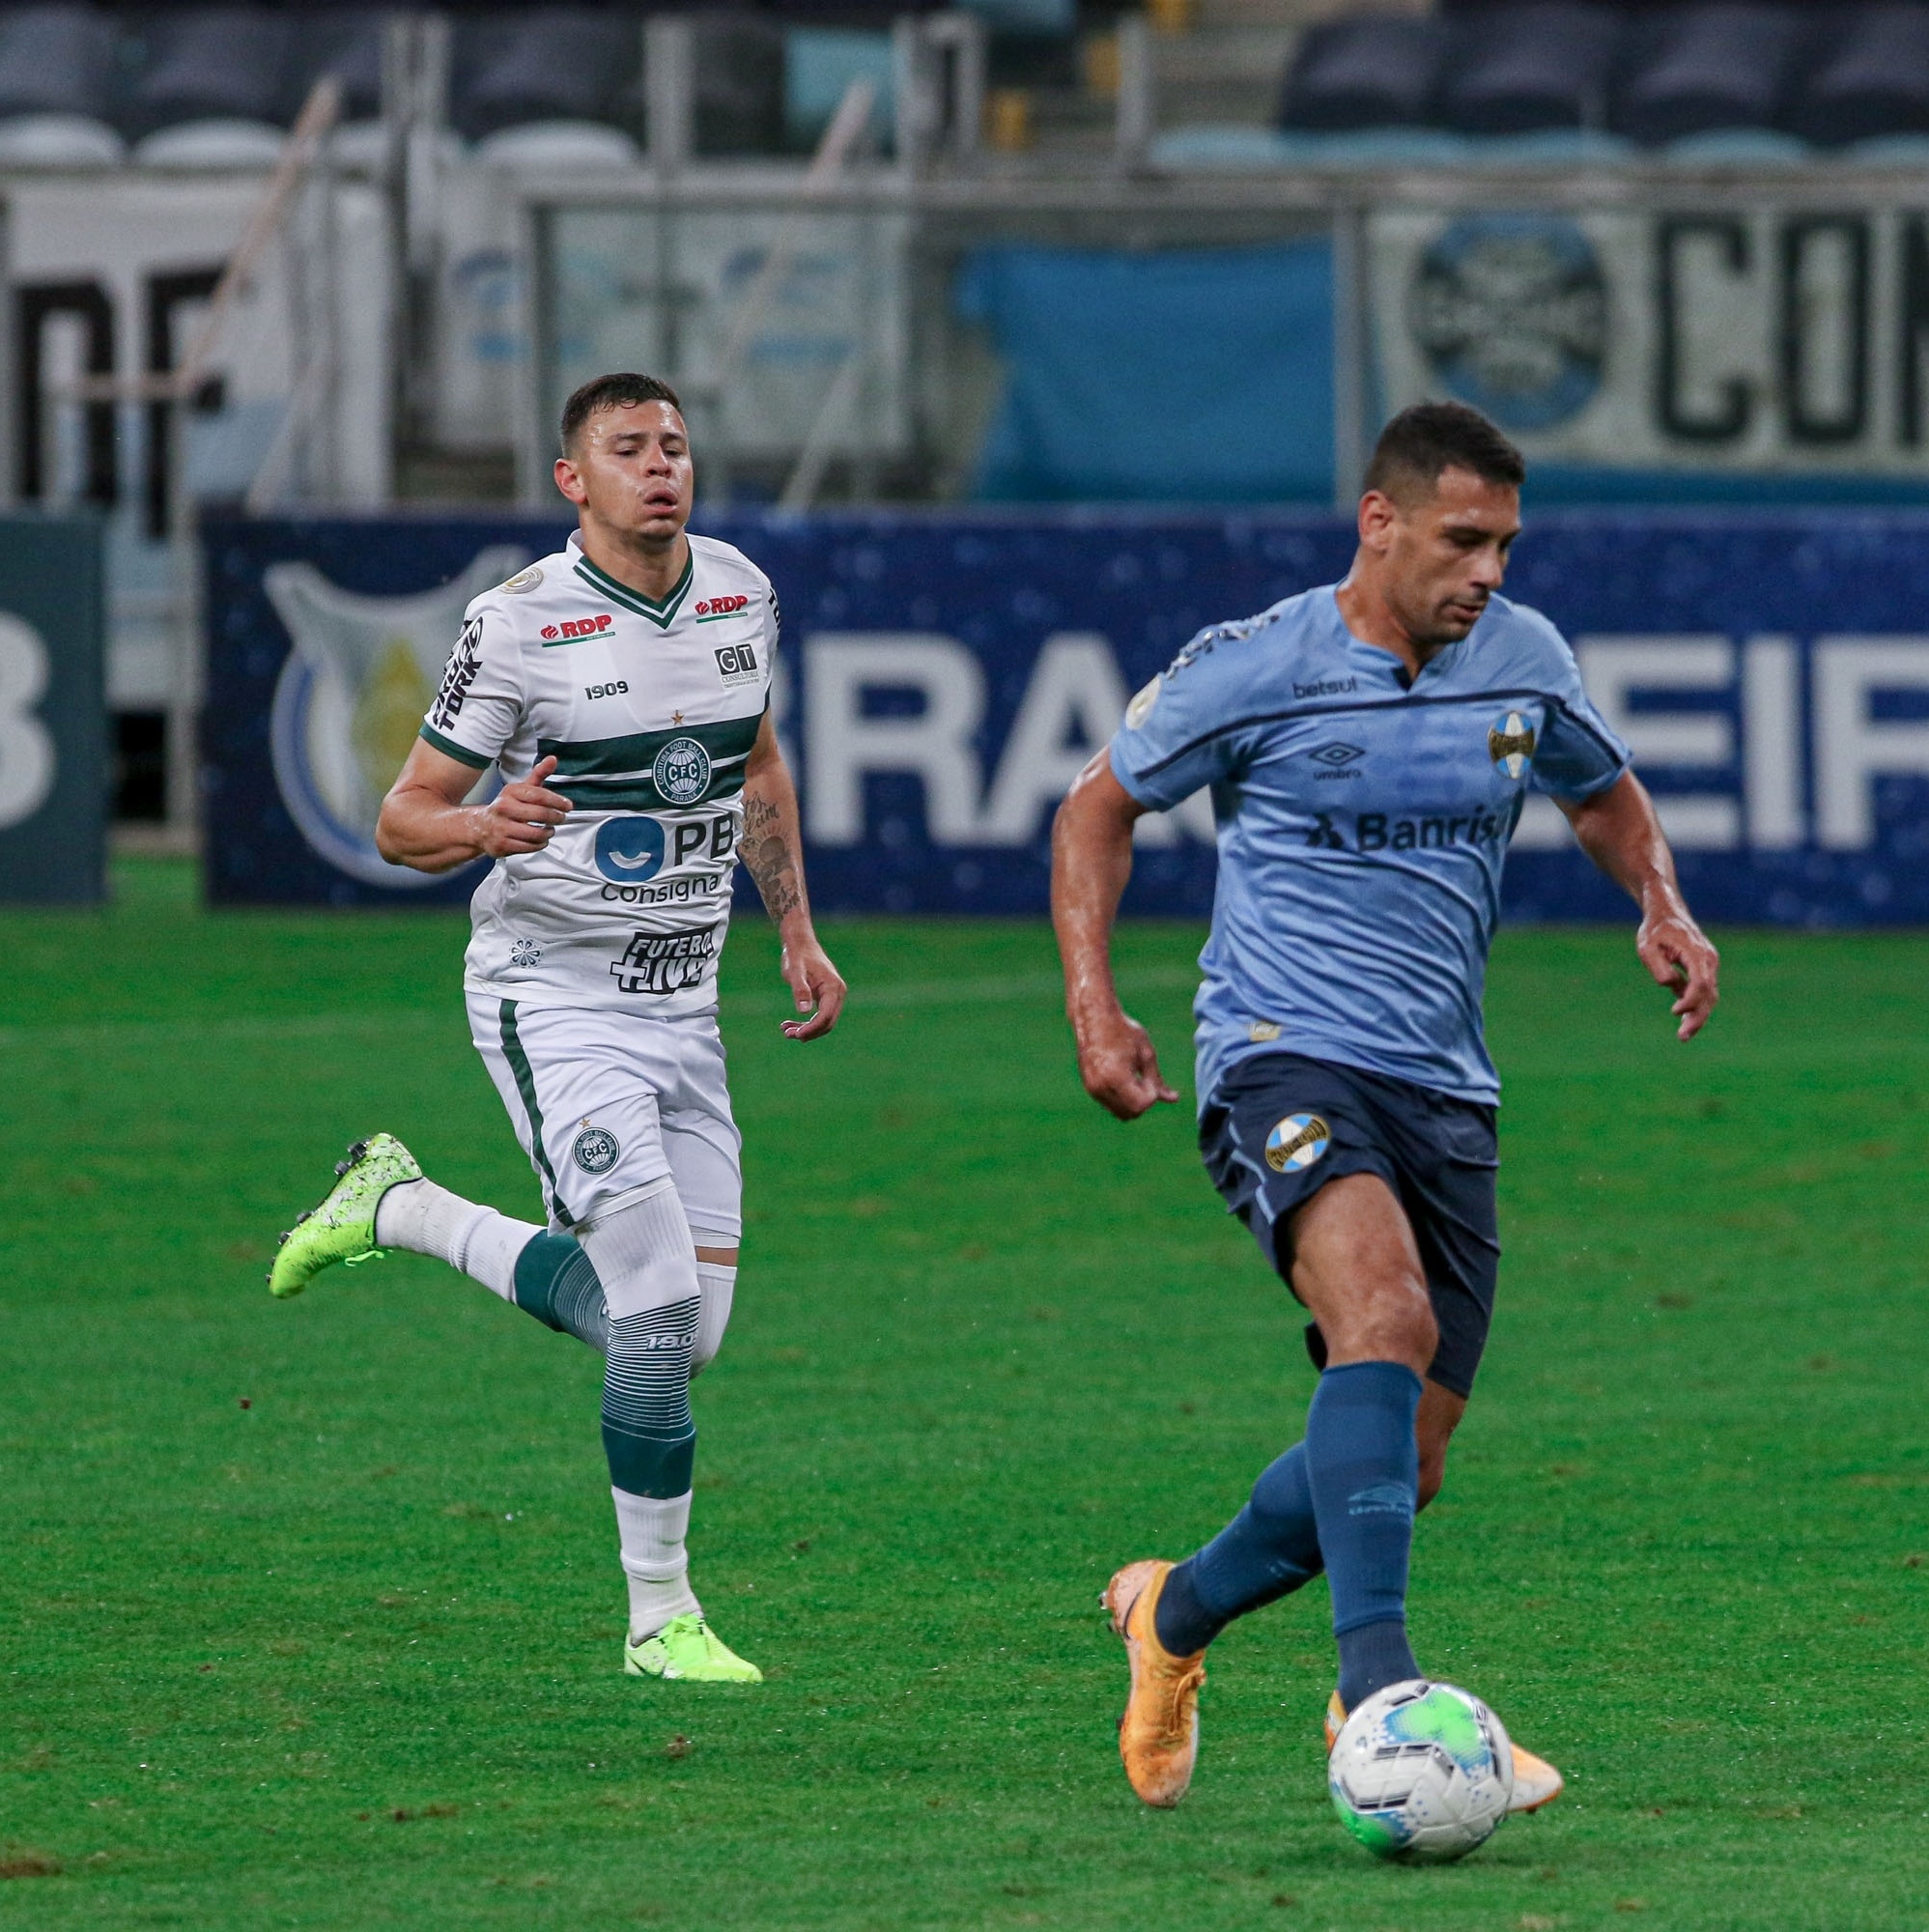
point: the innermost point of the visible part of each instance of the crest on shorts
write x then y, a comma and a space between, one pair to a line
596, 1150
1511, 744
682, 770
1296, 1143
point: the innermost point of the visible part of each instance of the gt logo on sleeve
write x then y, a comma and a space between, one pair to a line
737, 663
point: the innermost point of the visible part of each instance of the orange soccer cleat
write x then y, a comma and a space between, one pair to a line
1158, 1735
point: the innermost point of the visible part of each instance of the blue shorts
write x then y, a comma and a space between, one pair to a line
1279, 1127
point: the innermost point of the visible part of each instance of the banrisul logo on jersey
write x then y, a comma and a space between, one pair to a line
351, 694
682, 770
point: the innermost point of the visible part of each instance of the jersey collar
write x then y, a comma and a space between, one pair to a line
662, 613
1383, 663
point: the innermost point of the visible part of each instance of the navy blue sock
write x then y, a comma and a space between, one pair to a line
1265, 1552
1363, 1466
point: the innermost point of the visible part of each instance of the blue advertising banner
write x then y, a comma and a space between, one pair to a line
944, 675
53, 718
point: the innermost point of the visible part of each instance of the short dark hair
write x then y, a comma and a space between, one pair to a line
1422, 442
611, 392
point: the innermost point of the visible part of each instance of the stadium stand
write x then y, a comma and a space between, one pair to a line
1368, 72
56, 89
1707, 68
212, 88
1543, 64
1873, 84
558, 67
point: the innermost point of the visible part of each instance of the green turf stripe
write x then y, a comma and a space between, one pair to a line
631, 757
659, 612
525, 1084
449, 749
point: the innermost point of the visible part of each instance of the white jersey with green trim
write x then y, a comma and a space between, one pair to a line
650, 710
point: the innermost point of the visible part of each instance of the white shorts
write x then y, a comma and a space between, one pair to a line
607, 1103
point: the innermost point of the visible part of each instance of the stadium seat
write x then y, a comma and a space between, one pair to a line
1873, 82
1368, 72
549, 64
1724, 65
56, 88
1738, 147
1520, 69
212, 144
554, 145
223, 65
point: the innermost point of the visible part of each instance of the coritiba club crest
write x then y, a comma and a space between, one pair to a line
351, 697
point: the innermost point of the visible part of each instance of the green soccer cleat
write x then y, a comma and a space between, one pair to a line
342, 1228
690, 1651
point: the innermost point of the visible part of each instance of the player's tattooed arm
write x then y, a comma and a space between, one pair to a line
768, 858
772, 854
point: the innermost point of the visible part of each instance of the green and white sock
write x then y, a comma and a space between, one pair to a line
654, 1559
718, 1286
423, 1219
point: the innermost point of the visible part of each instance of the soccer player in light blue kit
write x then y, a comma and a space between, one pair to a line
1368, 747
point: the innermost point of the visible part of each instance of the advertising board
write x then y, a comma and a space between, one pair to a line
943, 678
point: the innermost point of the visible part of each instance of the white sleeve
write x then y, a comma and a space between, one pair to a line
480, 705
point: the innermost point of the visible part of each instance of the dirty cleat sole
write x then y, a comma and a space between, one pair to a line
341, 1226
1158, 1734
1536, 1782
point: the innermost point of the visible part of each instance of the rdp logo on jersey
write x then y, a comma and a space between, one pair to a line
720, 606
579, 627
629, 850
682, 770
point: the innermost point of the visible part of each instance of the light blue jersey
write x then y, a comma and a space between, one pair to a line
1362, 822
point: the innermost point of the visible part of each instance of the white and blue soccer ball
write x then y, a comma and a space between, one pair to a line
1422, 1773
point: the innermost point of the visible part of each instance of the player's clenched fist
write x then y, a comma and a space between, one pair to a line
523, 815
1120, 1065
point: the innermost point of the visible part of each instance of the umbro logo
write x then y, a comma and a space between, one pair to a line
1333, 757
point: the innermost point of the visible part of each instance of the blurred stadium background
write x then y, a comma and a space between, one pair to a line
1018, 339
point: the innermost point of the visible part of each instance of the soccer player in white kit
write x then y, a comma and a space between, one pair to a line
622, 686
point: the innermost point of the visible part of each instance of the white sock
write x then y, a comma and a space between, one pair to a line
654, 1560
719, 1285
425, 1219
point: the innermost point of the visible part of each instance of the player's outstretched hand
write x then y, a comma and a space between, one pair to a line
1121, 1067
816, 985
1678, 953
522, 817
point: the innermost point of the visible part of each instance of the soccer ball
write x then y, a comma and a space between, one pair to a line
1421, 1773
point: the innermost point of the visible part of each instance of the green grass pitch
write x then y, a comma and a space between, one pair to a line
311, 1613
